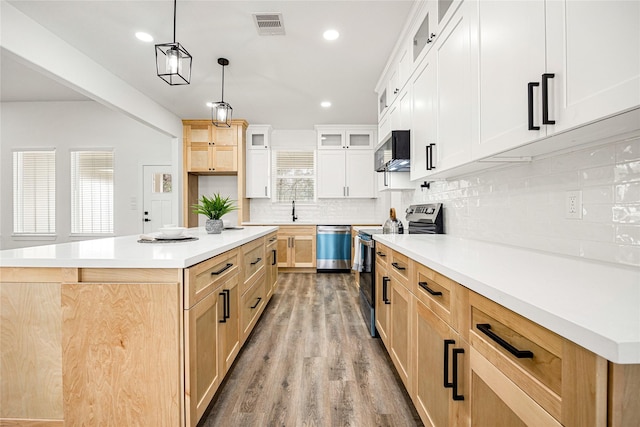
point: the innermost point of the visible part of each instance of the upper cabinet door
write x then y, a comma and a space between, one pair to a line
258, 182
258, 137
360, 176
331, 174
331, 138
511, 55
424, 119
593, 50
359, 139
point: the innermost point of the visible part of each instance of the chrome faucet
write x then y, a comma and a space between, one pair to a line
293, 211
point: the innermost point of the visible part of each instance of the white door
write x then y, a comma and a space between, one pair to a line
157, 197
424, 119
457, 90
331, 174
511, 54
258, 183
593, 50
361, 177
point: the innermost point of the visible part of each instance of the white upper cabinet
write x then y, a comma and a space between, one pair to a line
511, 54
258, 137
593, 48
258, 173
359, 137
445, 101
557, 65
345, 174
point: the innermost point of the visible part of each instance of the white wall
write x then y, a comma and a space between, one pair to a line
70, 125
524, 205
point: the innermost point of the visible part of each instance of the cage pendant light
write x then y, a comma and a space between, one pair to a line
221, 111
173, 62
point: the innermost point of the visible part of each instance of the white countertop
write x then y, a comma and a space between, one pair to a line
594, 304
126, 252
299, 222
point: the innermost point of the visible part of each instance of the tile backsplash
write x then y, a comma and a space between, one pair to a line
524, 205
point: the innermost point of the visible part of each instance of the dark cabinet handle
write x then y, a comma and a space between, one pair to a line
530, 87
485, 328
380, 254
456, 352
397, 267
545, 99
429, 149
385, 298
256, 261
273, 239
257, 303
446, 382
226, 306
425, 286
275, 257
223, 269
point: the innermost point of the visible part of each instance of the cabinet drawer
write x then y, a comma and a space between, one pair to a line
528, 354
445, 297
252, 302
383, 254
399, 266
205, 277
253, 262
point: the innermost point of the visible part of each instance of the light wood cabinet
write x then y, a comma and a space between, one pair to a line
252, 304
271, 247
382, 293
441, 364
229, 323
253, 264
211, 149
297, 246
202, 355
400, 313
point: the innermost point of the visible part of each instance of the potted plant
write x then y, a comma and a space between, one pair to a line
214, 208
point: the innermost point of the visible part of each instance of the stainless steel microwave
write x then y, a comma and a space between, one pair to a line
394, 155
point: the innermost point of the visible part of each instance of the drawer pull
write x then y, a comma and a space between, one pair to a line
256, 261
257, 303
273, 239
485, 328
275, 257
397, 267
380, 254
385, 298
425, 286
222, 270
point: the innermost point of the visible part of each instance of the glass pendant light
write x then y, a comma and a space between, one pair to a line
173, 62
221, 112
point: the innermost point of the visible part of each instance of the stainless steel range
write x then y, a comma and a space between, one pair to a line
425, 219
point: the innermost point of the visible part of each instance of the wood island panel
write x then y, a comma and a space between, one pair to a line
31, 357
116, 339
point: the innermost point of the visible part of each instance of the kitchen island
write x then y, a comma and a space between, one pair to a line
116, 332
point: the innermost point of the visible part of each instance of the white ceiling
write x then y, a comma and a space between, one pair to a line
277, 80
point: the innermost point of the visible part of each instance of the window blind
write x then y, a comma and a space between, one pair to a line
295, 176
34, 192
92, 192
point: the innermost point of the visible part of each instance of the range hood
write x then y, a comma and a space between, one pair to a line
395, 153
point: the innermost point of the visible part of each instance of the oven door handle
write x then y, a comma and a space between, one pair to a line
368, 243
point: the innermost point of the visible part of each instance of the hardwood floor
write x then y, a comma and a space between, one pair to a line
311, 362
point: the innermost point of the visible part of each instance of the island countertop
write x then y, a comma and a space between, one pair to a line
594, 304
126, 252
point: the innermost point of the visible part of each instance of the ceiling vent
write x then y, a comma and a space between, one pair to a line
269, 24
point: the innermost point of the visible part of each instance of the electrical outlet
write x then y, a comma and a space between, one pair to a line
573, 204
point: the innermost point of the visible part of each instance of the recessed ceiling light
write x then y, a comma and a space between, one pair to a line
145, 37
325, 104
331, 35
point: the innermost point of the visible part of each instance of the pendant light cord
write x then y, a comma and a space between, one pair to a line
223, 83
174, 20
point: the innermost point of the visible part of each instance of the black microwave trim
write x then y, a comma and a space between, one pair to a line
398, 145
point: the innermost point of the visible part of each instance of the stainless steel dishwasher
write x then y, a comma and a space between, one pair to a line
333, 248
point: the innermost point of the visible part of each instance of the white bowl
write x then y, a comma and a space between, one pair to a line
172, 231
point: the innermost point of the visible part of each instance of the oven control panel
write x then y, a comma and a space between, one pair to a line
424, 213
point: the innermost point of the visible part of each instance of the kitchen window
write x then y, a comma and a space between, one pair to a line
92, 192
295, 176
34, 192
